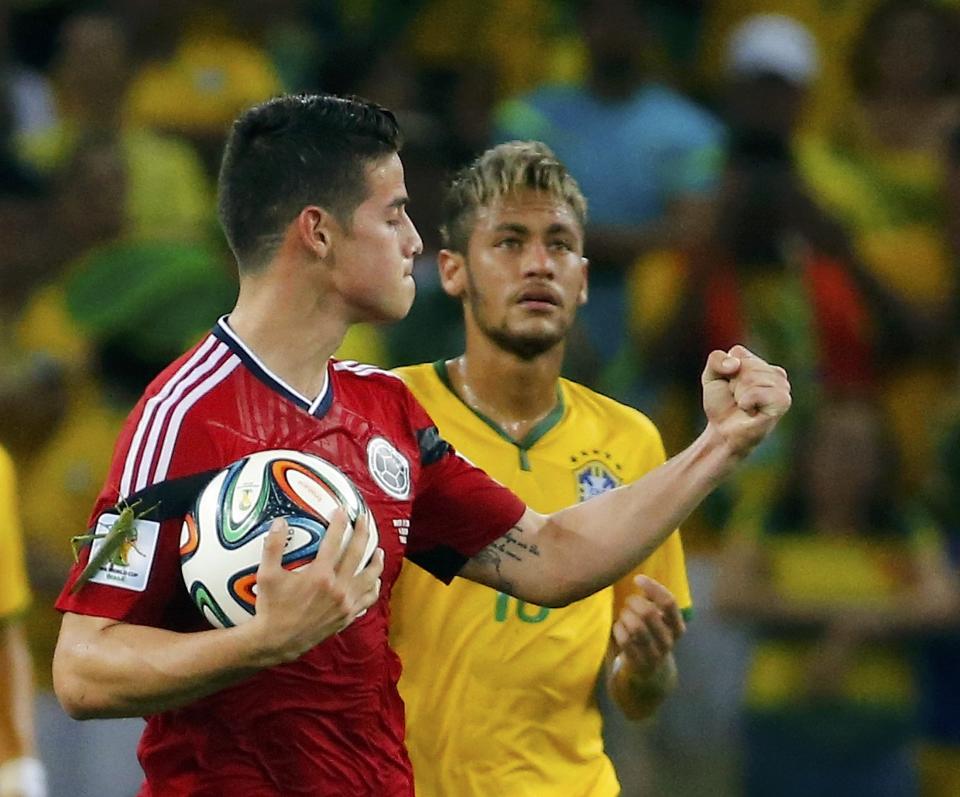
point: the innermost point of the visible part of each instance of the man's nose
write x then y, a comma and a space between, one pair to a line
415, 242
537, 261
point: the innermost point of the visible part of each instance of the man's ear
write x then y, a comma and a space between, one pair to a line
315, 227
582, 295
453, 272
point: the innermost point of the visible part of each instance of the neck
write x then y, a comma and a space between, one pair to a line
514, 393
292, 330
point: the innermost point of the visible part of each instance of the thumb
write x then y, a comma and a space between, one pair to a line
720, 366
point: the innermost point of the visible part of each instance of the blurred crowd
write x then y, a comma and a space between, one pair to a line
783, 173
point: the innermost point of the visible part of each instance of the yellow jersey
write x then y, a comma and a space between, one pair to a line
500, 694
14, 593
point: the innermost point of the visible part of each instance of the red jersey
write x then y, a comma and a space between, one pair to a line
330, 723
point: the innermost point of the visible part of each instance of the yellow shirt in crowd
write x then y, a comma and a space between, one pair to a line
14, 592
500, 693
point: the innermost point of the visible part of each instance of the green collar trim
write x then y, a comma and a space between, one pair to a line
543, 426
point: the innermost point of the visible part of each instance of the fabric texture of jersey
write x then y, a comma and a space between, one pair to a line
507, 704
331, 722
14, 593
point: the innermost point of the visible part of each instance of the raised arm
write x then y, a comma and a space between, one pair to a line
105, 668
556, 559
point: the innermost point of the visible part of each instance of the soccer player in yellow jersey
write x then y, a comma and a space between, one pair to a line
21, 774
507, 706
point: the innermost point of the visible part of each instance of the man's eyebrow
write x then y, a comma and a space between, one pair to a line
520, 229
510, 226
399, 202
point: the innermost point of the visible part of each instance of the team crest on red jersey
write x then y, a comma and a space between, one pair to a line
389, 468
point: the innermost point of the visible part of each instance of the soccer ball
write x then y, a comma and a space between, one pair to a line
222, 536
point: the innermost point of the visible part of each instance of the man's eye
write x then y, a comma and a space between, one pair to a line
509, 243
563, 246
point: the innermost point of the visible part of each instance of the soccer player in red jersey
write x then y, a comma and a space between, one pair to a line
302, 699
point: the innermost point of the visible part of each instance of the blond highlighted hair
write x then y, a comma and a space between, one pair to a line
501, 171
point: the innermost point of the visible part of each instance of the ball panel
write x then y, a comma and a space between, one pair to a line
189, 538
373, 539
241, 502
306, 489
220, 552
303, 539
242, 587
210, 608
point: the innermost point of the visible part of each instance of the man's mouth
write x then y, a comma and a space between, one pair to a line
539, 298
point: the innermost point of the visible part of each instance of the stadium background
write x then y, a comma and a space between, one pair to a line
844, 141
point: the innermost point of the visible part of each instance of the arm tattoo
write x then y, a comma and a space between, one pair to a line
509, 546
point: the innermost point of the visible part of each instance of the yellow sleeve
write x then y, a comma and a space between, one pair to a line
14, 593
666, 564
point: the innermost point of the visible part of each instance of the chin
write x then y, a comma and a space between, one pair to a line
526, 347
395, 310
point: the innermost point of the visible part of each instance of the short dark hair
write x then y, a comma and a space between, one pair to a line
500, 171
293, 151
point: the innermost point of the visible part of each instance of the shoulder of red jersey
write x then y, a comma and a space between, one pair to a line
367, 379
389, 387
155, 425
200, 355
350, 368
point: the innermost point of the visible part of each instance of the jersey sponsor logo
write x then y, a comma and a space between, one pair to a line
595, 478
129, 566
389, 468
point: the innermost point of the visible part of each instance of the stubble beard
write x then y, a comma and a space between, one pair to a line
524, 346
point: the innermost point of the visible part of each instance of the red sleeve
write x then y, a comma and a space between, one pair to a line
457, 509
145, 587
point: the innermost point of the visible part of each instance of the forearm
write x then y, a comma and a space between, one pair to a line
16, 694
570, 554
105, 668
123, 670
587, 546
639, 696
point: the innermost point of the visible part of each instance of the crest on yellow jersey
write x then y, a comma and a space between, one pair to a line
595, 477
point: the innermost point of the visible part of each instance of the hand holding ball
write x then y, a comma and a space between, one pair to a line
222, 537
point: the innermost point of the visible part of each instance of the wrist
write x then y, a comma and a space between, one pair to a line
23, 777
717, 454
658, 681
256, 650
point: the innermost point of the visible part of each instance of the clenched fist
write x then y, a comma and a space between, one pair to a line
743, 397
